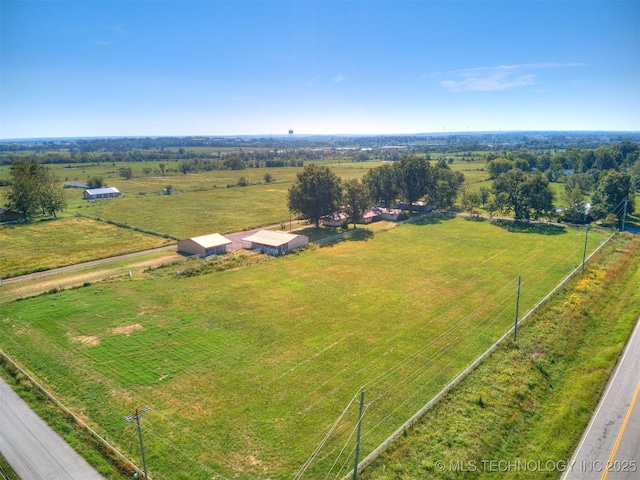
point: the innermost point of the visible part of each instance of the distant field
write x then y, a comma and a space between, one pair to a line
57, 243
204, 202
201, 203
245, 370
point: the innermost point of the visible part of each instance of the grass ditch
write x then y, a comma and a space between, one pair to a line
97, 455
6, 470
532, 399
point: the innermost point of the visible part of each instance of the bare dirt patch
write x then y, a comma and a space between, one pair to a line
127, 329
88, 340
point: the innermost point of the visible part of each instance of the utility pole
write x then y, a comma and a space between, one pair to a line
584, 253
515, 328
136, 416
355, 465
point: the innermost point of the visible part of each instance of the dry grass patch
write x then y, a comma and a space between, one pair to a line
88, 340
126, 330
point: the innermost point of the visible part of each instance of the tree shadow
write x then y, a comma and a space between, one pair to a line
475, 218
357, 235
432, 220
539, 228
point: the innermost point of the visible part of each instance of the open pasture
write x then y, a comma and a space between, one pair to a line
202, 203
39, 246
246, 370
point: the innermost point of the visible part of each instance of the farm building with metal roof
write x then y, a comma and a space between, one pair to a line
274, 242
213, 244
96, 193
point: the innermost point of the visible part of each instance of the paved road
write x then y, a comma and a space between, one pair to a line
32, 448
610, 446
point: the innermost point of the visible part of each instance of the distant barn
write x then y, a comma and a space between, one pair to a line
96, 193
76, 185
274, 242
213, 244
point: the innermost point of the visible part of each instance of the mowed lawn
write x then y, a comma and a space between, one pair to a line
245, 370
57, 243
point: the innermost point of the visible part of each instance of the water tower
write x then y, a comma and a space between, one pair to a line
291, 139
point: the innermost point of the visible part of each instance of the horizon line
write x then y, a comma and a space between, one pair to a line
286, 135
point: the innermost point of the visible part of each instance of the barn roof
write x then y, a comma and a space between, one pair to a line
102, 191
212, 240
271, 238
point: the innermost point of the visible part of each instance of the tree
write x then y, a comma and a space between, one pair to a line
610, 194
234, 163
357, 199
316, 192
162, 167
470, 199
34, 189
382, 185
51, 192
126, 173
484, 193
445, 187
95, 182
414, 178
540, 195
521, 193
498, 166
21, 195
268, 178
575, 210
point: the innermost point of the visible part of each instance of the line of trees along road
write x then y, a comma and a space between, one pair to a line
34, 190
318, 192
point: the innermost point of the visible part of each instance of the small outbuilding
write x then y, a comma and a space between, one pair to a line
213, 244
9, 215
274, 242
392, 214
96, 193
335, 219
76, 185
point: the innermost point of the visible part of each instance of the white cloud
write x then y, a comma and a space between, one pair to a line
503, 77
338, 78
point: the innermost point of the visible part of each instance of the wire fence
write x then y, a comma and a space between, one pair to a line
464, 373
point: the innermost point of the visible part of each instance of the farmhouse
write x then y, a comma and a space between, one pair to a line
392, 214
370, 216
213, 244
95, 193
273, 242
335, 219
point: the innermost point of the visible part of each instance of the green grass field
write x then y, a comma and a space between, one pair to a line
246, 369
38, 246
532, 399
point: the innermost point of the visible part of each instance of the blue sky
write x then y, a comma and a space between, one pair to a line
153, 67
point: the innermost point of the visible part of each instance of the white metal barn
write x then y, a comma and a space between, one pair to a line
96, 193
213, 244
274, 242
